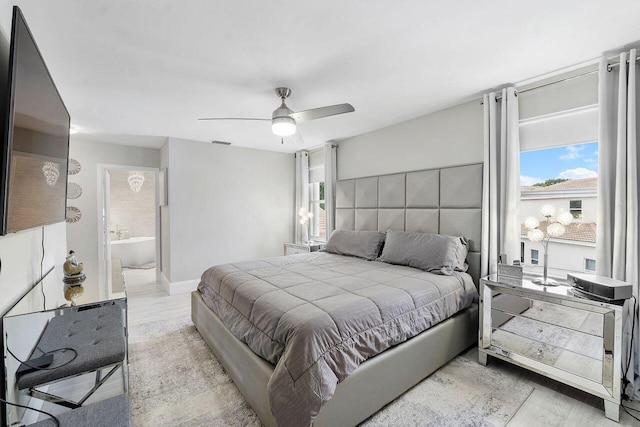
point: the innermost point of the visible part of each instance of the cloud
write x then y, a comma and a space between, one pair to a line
591, 161
527, 181
572, 152
578, 173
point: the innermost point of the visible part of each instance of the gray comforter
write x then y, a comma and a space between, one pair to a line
318, 316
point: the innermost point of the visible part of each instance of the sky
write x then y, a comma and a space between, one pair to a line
570, 161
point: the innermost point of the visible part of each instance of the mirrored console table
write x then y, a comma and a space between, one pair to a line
91, 320
573, 340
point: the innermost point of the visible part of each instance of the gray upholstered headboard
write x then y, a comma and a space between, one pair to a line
444, 201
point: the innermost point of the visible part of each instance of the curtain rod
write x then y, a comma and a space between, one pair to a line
586, 73
617, 64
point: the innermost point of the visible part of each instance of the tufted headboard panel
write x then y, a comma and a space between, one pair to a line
444, 201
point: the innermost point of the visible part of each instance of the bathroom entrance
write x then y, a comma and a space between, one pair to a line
132, 214
129, 223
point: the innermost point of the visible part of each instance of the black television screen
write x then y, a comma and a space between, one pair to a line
36, 139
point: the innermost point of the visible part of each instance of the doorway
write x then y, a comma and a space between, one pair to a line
129, 224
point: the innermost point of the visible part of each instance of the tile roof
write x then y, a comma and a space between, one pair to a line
571, 184
576, 231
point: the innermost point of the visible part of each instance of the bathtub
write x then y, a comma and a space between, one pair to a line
135, 251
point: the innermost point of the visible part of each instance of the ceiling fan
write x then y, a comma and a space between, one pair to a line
284, 120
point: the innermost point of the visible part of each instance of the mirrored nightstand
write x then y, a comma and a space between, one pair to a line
298, 248
573, 340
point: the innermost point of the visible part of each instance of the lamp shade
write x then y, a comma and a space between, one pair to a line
283, 126
564, 218
548, 210
555, 230
535, 235
531, 222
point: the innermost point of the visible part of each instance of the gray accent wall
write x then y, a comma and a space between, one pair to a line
448, 137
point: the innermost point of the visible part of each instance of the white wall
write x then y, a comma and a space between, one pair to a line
449, 137
226, 204
20, 255
82, 236
531, 207
564, 257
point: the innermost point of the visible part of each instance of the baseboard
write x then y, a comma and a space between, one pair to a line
175, 288
183, 287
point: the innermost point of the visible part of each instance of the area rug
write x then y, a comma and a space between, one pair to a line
176, 381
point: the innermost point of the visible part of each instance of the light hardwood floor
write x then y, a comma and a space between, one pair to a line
550, 404
148, 301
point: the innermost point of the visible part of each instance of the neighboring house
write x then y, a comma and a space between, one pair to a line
575, 251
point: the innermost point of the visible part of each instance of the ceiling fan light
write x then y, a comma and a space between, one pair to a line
283, 126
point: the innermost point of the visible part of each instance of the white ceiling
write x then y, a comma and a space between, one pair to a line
152, 67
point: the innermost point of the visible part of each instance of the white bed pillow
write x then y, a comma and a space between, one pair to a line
435, 253
362, 244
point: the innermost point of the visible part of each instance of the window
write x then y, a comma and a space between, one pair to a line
565, 177
575, 207
534, 256
317, 224
589, 265
522, 252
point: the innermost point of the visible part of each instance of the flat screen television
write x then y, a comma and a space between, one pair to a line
35, 139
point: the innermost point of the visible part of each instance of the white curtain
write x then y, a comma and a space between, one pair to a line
330, 174
302, 193
501, 180
617, 251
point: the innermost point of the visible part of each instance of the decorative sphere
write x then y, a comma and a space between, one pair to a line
555, 230
531, 222
548, 210
535, 235
303, 221
310, 215
564, 218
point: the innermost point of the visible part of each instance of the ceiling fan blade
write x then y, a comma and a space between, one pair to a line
233, 118
295, 139
318, 113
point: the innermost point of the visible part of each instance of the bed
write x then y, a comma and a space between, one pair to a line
434, 317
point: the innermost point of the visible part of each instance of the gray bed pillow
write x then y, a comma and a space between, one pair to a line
435, 253
362, 244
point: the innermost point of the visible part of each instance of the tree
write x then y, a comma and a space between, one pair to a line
550, 181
